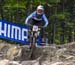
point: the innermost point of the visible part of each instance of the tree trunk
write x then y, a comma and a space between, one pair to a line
1, 12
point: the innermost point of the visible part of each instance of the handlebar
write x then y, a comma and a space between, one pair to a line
35, 25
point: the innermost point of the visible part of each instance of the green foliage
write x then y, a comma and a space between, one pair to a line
54, 1
15, 4
60, 14
38, 2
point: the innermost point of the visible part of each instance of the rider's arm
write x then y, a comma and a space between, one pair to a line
29, 17
45, 20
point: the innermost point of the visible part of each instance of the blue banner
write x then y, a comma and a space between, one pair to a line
14, 32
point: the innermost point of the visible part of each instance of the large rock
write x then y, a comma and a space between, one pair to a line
8, 62
57, 63
4, 62
13, 52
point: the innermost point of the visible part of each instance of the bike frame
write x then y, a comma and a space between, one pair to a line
35, 33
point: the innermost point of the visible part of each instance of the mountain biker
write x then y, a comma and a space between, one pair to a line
37, 17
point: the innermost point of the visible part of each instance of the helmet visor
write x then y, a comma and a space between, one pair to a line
40, 11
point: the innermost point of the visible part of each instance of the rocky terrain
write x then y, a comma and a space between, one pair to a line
15, 54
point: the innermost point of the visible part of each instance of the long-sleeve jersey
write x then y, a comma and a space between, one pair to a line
43, 17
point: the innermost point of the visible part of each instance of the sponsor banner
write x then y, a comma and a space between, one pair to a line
14, 32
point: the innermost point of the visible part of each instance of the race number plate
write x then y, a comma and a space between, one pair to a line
35, 28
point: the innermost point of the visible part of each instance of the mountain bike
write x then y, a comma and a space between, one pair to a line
35, 32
